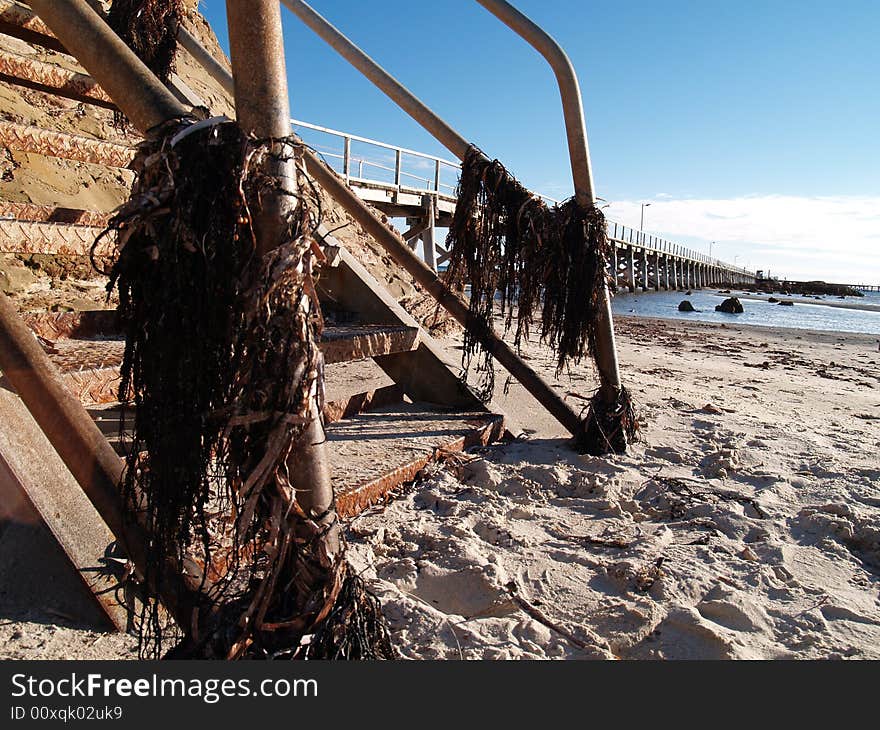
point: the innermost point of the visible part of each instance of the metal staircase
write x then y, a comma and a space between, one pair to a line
376, 439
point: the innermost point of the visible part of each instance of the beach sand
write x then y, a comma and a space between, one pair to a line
745, 524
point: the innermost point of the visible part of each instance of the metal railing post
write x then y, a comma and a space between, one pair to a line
262, 105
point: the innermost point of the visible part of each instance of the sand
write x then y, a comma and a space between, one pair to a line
745, 524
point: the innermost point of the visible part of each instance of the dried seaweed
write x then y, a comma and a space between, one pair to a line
538, 262
222, 366
610, 425
149, 28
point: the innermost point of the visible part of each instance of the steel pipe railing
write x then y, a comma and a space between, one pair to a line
428, 278
581, 170
407, 101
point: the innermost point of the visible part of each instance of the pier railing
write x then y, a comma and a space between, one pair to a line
391, 165
655, 244
365, 161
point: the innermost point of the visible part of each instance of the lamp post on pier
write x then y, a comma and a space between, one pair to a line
642, 223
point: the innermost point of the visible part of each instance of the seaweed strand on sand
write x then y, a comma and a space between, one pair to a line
221, 367
544, 265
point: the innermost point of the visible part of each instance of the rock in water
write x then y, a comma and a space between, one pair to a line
731, 305
786, 303
686, 306
772, 300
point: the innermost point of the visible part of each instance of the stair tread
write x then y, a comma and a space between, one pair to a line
374, 452
339, 344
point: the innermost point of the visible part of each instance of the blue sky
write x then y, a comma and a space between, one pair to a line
750, 123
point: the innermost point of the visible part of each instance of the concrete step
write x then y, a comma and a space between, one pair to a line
375, 453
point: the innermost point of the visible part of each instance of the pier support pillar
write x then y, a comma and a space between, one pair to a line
615, 267
428, 242
632, 269
645, 280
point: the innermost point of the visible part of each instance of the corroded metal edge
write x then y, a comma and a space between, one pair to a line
351, 502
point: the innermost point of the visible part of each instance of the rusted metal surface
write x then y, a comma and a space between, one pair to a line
34, 74
262, 106
64, 146
95, 386
19, 21
379, 398
56, 325
52, 214
344, 344
51, 238
30, 468
111, 63
83, 448
379, 451
72, 355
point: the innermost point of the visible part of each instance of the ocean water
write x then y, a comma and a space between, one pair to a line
805, 314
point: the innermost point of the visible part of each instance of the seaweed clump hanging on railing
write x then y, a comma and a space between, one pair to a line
149, 28
545, 266
223, 369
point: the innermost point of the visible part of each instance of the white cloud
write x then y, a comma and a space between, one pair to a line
830, 238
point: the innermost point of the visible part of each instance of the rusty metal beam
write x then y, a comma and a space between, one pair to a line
30, 466
111, 63
84, 450
263, 109
581, 169
405, 99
